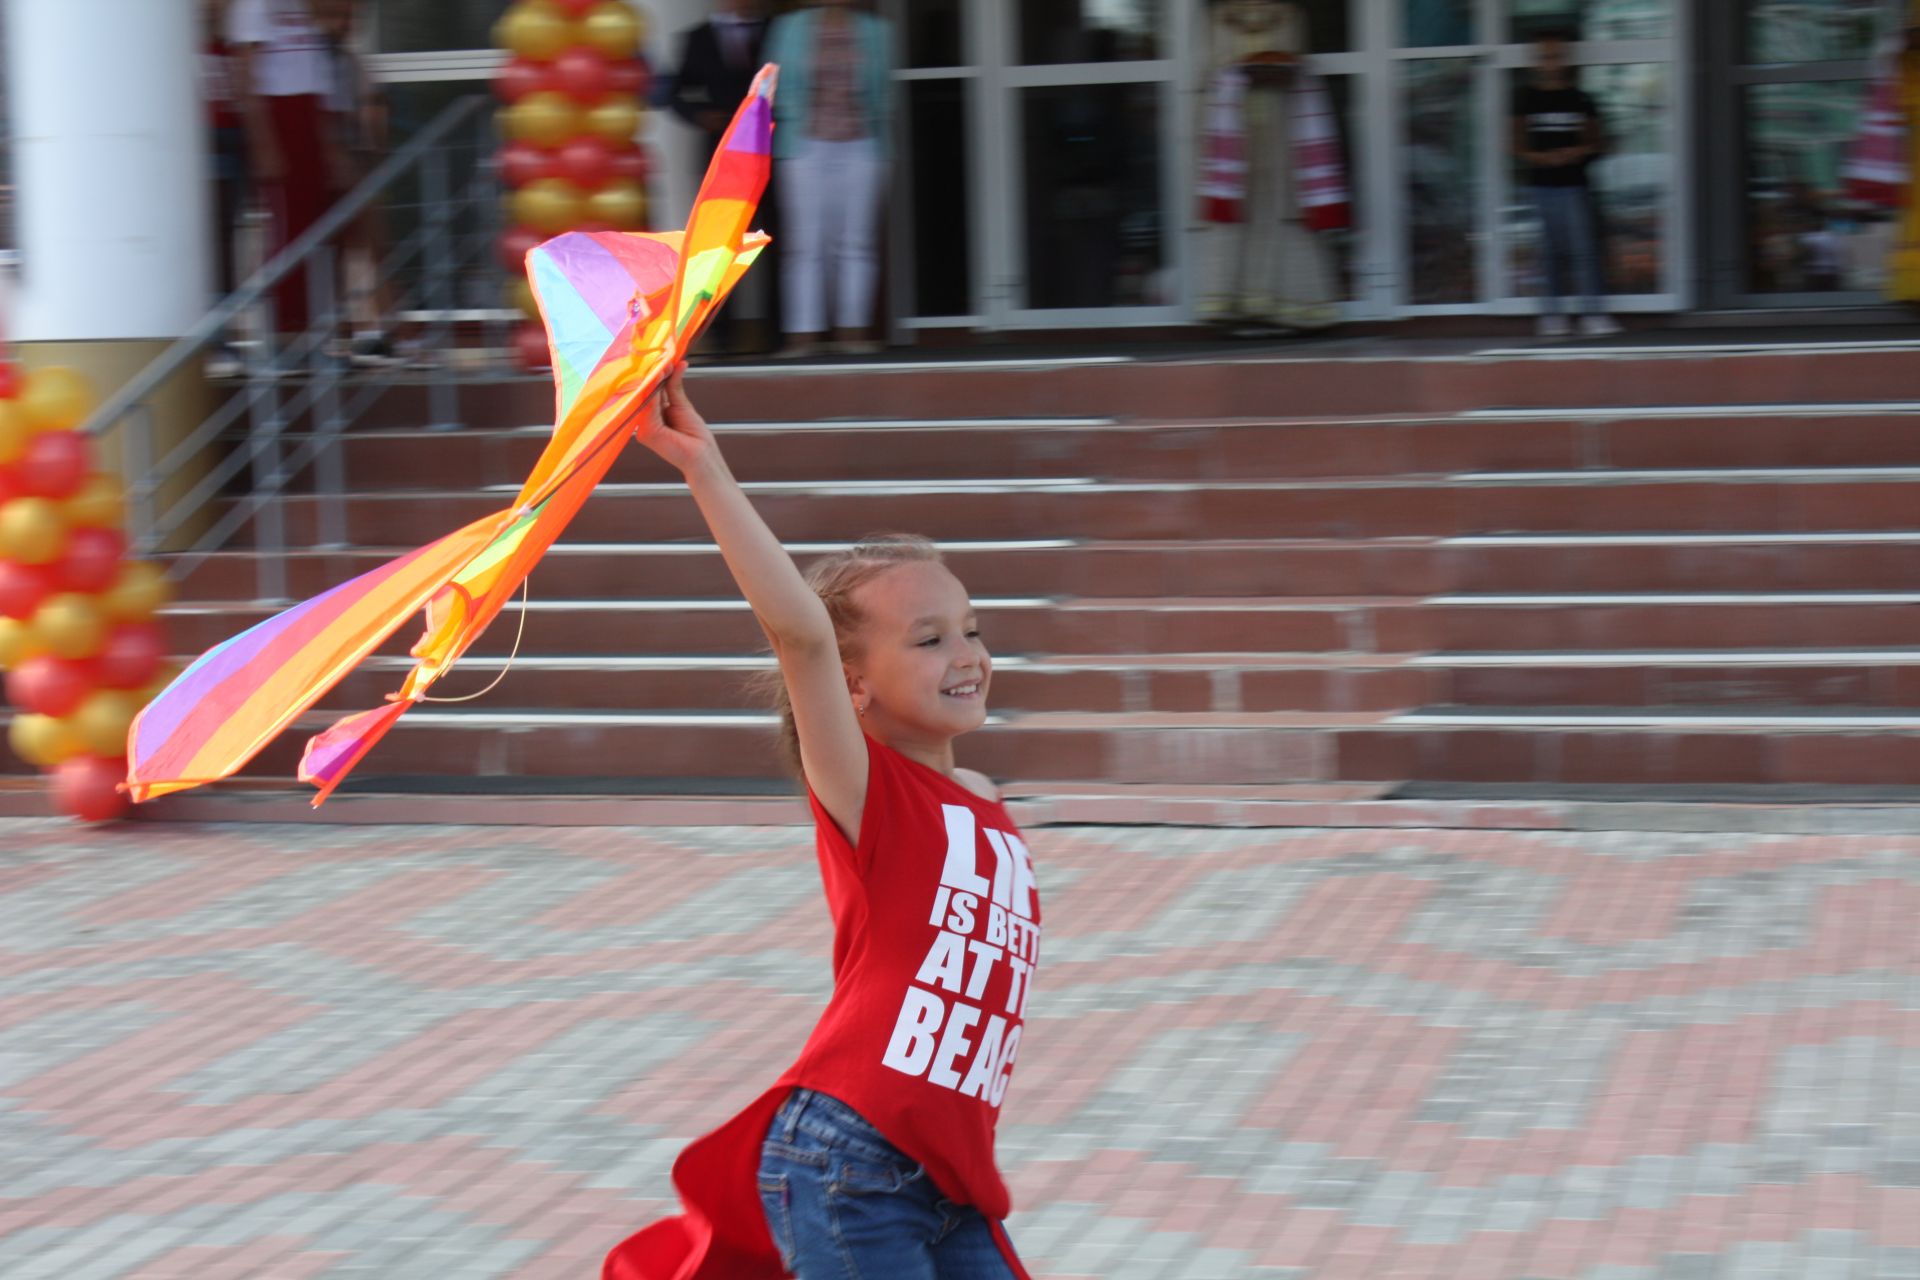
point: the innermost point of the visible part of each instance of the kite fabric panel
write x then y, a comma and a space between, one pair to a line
620, 309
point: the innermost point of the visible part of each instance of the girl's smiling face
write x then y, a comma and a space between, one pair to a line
920, 668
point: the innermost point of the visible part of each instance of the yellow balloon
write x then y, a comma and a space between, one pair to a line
42, 740
169, 672
101, 721
547, 204
98, 505
32, 531
56, 399
15, 431
534, 30
140, 592
17, 643
71, 625
520, 297
616, 119
546, 119
612, 28
621, 204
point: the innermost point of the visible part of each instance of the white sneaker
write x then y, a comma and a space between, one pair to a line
1553, 325
1598, 326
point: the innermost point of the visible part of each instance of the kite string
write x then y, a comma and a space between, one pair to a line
525, 590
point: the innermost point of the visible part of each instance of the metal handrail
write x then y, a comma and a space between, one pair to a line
269, 406
214, 323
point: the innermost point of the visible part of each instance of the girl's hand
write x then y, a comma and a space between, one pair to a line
671, 427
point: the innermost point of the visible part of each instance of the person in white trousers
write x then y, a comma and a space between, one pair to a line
832, 113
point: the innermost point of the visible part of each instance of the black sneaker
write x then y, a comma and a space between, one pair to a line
372, 351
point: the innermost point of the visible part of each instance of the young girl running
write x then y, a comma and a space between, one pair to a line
872, 1157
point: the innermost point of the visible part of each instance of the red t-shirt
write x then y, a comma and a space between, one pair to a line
936, 933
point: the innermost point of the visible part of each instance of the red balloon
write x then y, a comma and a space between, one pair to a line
522, 162
54, 465
630, 78
530, 347
522, 76
49, 686
9, 380
631, 163
583, 74
587, 161
514, 245
88, 788
22, 588
576, 8
131, 656
91, 561
10, 485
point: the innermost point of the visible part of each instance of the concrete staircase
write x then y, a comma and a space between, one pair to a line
1357, 572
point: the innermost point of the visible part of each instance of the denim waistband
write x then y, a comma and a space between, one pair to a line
834, 1122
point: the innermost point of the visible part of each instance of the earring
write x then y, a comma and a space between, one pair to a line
863, 708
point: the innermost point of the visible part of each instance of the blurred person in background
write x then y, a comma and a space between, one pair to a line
830, 160
356, 123
718, 59
228, 148
1557, 133
283, 78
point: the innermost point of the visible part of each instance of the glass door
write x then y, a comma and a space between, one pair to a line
1086, 163
1464, 235
1037, 160
1783, 228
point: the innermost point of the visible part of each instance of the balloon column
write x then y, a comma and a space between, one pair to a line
571, 91
78, 640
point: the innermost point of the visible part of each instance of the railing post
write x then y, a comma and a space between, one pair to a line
443, 408
136, 450
263, 454
328, 466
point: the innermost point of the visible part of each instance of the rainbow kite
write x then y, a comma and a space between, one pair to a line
620, 310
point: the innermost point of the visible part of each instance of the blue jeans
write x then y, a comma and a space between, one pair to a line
1566, 219
843, 1203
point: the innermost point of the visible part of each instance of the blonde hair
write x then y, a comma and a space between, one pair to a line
835, 579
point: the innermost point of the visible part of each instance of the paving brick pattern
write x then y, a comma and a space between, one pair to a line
320, 1051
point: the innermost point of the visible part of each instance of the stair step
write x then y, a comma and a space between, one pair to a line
1012, 626
1419, 507
1358, 376
1268, 567
1598, 444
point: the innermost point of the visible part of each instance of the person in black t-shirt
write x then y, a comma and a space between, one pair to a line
1557, 132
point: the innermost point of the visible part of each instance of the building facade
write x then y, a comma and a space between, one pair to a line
1046, 151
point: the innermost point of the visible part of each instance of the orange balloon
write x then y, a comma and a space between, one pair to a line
17, 643
550, 204
98, 505
616, 119
140, 592
42, 741
15, 431
102, 720
545, 119
56, 399
613, 28
71, 625
32, 531
621, 204
534, 30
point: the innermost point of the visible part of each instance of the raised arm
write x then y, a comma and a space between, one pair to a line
833, 751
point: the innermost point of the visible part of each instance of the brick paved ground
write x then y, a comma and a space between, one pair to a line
296, 1052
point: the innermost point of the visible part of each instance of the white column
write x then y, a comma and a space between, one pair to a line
111, 179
